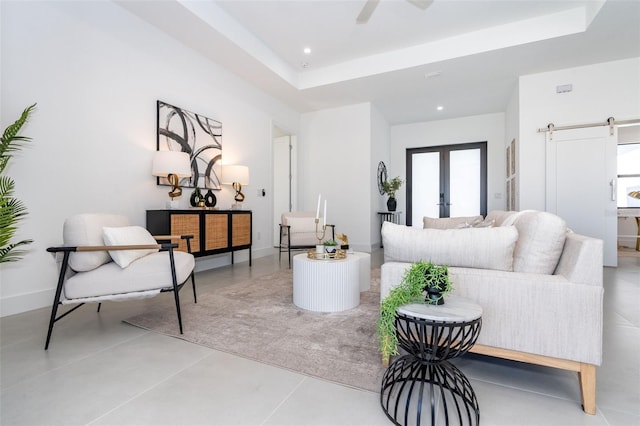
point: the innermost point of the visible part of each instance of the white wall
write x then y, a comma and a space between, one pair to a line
610, 89
379, 152
335, 160
479, 128
96, 72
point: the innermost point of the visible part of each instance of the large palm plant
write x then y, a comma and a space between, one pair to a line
11, 209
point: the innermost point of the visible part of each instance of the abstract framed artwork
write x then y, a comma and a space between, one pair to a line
198, 136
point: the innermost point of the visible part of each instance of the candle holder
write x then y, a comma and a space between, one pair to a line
320, 238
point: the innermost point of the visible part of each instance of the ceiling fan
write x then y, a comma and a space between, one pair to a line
371, 5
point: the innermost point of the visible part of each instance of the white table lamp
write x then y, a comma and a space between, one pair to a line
172, 165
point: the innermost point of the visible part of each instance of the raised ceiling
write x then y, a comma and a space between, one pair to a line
463, 55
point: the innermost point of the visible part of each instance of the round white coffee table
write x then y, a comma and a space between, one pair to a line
329, 285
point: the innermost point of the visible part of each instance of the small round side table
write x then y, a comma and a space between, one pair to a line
431, 335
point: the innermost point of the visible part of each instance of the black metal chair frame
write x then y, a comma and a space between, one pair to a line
66, 251
288, 247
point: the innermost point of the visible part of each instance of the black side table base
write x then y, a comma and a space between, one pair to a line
409, 384
425, 379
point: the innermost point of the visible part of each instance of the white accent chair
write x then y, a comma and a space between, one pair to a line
103, 258
298, 232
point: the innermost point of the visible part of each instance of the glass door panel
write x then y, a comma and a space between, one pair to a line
425, 188
464, 183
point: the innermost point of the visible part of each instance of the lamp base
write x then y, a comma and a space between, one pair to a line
172, 205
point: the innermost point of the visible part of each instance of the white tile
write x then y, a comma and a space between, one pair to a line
317, 402
503, 406
81, 391
221, 389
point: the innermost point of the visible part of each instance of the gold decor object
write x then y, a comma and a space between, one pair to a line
337, 255
343, 238
635, 194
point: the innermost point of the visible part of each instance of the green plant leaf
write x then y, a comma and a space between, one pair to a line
11, 209
410, 290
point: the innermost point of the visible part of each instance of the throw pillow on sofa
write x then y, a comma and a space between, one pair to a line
449, 222
482, 248
540, 243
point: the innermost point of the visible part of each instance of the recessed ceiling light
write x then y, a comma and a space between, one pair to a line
439, 107
433, 74
307, 51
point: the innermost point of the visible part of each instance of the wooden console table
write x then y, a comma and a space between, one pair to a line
214, 231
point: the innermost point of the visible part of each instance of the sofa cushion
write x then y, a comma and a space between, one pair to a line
450, 222
125, 236
86, 230
540, 242
486, 248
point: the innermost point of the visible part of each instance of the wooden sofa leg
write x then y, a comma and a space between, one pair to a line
587, 377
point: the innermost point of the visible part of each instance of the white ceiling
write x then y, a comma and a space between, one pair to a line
477, 48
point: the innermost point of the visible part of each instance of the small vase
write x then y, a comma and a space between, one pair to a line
196, 197
434, 297
330, 249
391, 204
210, 199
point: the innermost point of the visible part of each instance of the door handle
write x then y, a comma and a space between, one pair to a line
612, 184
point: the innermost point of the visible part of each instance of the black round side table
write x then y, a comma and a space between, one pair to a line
431, 335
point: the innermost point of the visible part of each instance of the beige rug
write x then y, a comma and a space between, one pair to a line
257, 319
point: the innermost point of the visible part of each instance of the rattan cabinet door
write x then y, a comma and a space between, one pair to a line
186, 224
216, 227
241, 229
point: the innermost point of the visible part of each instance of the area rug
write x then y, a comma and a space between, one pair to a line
257, 319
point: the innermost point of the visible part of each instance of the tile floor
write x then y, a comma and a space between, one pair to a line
100, 371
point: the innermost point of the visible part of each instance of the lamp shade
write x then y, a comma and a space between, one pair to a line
171, 162
235, 174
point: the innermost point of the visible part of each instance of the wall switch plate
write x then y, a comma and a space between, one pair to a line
564, 88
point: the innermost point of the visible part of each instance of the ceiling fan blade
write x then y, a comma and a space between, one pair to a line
421, 4
366, 11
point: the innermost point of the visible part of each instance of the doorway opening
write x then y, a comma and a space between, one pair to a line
284, 166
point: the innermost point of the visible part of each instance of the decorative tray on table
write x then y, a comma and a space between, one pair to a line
339, 254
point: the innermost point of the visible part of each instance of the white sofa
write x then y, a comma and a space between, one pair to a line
539, 284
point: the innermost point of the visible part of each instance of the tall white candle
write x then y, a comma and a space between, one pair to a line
318, 208
325, 213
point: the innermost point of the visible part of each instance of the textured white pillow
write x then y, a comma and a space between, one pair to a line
86, 230
124, 236
449, 222
540, 243
482, 248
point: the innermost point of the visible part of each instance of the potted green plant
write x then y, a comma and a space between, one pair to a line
330, 246
421, 278
11, 209
390, 187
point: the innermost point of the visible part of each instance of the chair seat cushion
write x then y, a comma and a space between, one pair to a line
147, 273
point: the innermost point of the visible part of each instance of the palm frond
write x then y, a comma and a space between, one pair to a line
11, 209
10, 254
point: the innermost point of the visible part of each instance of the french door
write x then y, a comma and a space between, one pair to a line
446, 181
